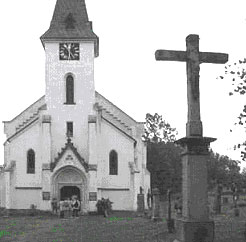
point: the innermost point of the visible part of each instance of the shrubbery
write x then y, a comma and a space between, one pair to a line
102, 205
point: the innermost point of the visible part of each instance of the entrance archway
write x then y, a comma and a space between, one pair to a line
69, 181
69, 191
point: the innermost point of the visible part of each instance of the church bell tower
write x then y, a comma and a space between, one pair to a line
70, 48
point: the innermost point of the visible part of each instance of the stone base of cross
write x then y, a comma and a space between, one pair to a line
195, 224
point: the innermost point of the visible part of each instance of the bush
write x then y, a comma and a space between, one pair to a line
33, 210
102, 205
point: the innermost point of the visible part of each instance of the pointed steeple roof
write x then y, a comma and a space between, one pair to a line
70, 22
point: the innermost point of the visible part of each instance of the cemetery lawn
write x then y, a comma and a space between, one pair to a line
119, 226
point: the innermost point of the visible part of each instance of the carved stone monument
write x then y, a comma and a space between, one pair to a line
195, 224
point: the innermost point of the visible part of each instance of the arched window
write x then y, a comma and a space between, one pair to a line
69, 90
30, 161
113, 163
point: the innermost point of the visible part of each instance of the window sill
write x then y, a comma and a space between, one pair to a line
69, 103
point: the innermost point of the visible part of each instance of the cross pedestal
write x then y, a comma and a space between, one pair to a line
194, 225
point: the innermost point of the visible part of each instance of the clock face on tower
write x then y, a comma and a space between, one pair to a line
69, 51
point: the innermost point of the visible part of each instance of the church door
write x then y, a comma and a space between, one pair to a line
69, 191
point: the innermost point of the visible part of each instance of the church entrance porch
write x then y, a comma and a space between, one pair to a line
69, 191
69, 181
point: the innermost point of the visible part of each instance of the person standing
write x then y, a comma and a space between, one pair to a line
54, 205
61, 209
75, 206
66, 204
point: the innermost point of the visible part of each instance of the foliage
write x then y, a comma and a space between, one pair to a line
32, 206
33, 210
223, 170
163, 156
158, 130
103, 204
164, 160
237, 73
243, 177
164, 163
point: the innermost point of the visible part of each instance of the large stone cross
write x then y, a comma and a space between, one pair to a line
193, 58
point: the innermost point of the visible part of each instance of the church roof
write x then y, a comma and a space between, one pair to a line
109, 111
70, 22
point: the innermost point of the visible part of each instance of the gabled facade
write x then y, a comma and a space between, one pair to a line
72, 141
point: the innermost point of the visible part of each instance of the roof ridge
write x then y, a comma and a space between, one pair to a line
18, 115
97, 93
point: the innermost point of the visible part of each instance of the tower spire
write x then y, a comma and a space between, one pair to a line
70, 22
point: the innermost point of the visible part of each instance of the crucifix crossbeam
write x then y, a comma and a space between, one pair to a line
193, 59
204, 57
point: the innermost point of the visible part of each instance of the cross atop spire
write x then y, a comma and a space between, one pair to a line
70, 22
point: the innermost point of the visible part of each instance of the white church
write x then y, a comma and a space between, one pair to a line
72, 141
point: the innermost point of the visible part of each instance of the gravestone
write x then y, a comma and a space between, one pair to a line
194, 224
170, 221
156, 205
140, 201
149, 199
217, 197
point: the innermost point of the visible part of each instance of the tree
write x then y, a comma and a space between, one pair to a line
237, 72
158, 130
164, 163
243, 177
223, 170
163, 156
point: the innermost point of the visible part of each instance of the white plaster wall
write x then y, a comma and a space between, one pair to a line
24, 198
113, 139
6, 152
145, 174
84, 96
18, 152
121, 199
46, 187
13, 200
2, 190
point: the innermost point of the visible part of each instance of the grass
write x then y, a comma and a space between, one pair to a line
116, 228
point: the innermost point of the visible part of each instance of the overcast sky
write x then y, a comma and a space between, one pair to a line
126, 72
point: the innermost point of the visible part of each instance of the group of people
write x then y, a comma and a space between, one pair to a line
67, 207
